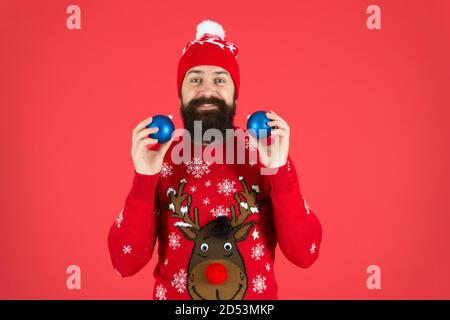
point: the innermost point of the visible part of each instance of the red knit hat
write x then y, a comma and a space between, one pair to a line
209, 48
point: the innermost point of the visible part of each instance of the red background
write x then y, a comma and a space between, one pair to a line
368, 110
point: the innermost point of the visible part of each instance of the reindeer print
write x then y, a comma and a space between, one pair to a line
216, 269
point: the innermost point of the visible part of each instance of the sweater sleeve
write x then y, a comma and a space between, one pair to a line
133, 234
299, 232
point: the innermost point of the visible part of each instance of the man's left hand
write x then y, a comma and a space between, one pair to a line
276, 154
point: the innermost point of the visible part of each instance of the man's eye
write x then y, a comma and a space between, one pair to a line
195, 80
221, 80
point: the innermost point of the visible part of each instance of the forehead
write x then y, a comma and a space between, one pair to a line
205, 70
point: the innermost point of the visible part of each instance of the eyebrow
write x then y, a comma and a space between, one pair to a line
202, 72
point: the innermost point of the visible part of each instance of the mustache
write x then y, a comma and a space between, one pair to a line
195, 103
220, 118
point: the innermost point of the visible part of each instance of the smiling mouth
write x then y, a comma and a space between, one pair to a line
207, 106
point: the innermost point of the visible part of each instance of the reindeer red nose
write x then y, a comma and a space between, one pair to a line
216, 273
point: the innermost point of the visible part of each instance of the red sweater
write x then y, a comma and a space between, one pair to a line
217, 225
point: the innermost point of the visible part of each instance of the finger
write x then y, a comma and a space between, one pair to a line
279, 132
275, 132
278, 119
273, 116
272, 111
145, 142
278, 124
142, 125
145, 132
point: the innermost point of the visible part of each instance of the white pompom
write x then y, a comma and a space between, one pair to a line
210, 27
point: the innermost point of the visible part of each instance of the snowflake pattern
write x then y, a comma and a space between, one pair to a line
126, 249
289, 165
193, 189
250, 144
216, 40
313, 248
306, 205
119, 219
219, 211
160, 292
206, 201
259, 284
257, 251
156, 212
198, 168
179, 280
166, 262
226, 187
166, 170
174, 240
208, 183
231, 47
267, 267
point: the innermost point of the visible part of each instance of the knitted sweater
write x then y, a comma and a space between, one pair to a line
217, 227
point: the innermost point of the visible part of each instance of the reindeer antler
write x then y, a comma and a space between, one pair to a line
248, 207
178, 210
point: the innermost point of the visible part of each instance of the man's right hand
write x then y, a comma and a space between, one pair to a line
147, 161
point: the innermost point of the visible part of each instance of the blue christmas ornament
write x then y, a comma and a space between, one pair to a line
166, 128
257, 125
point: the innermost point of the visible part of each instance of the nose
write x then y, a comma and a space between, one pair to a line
208, 89
216, 273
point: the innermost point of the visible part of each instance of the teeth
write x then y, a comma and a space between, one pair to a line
206, 105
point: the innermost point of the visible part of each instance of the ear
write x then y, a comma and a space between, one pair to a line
242, 231
189, 233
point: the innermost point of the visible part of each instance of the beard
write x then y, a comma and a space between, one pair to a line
220, 118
